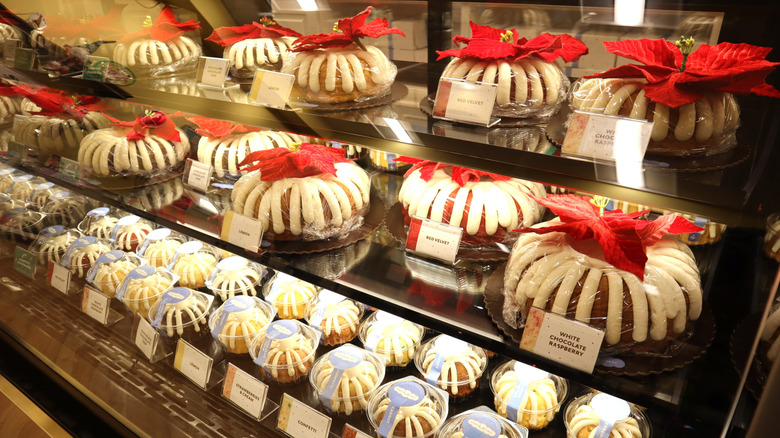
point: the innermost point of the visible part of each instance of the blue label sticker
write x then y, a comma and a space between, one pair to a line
136, 274
325, 299
699, 222
480, 426
39, 187
154, 235
401, 394
173, 296
185, 248
59, 196
391, 165
342, 359
445, 346
612, 362
108, 257
98, 212
51, 231
276, 331
78, 243
127, 220
232, 305
610, 206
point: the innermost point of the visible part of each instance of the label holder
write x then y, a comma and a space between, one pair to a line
242, 231
147, 339
24, 262
291, 410
595, 136
240, 388
461, 101
98, 306
271, 89
197, 175
187, 355
59, 277
212, 72
434, 239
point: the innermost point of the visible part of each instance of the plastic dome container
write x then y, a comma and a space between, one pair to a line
52, 243
22, 186
110, 269
236, 276
130, 232
335, 316
392, 337
181, 313
194, 262
345, 379
83, 253
589, 412
451, 364
143, 286
527, 395
7, 176
418, 406
284, 351
8, 203
159, 246
99, 222
289, 295
236, 323
65, 208
40, 195
481, 424
21, 224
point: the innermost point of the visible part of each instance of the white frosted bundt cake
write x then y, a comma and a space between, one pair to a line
392, 337
407, 408
285, 351
7, 32
345, 378
289, 295
452, 365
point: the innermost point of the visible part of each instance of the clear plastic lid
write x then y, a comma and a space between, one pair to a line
22, 186
194, 262
407, 404
22, 224
527, 395
395, 338
100, 222
143, 286
160, 245
235, 276
52, 243
481, 424
130, 232
335, 316
236, 322
605, 415
83, 253
453, 365
181, 312
65, 208
110, 269
8, 203
345, 378
40, 194
285, 350
289, 295
7, 176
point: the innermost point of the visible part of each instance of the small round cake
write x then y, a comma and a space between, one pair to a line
225, 154
289, 295
236, 276
257, 53
21, 225
61, 134
83, 253
238, 321
9, 105
284, 350
160, 246
99, 222
22, 187
584, 414
480, 423
420, 409
392, 337
194, 264
141, 291
180, 313
156, 196
345, 379
110, 270
64, 208
130, 232
41, 193
52, 243
527, 395
452, 365
336, 317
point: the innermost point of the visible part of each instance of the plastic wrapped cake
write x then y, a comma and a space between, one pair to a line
284, 351
394, 338
236, 276
110, 269
345, 378
451, 364
236, 323
181, 313
407, 408
143, 286
527, 395
599, 414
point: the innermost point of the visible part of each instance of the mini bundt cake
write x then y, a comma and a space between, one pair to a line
83, 253
130, 234
287, 355
290, 296
394, 338
421, 414
358, 376
584, 415
194, 264
336, 317
461, 369
238, 321
772, 237
236, 276
180, 313
142, 290
529, 400
110, 271
52, 244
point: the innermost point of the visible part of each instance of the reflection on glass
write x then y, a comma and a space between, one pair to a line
629, 151
630, 12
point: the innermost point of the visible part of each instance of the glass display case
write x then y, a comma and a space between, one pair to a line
167, 209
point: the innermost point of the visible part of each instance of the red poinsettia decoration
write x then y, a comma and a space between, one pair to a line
347, 31
623, 237
164, 28
490, 43
219, 129
9, 90
266, 28
56, 103
675, 78
106, 27
8, 17
279, 163
155, 122
460, 175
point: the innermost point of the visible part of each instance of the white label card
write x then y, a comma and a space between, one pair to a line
193, 363
212, 71
566, 341
271, 88
434, 239
146, 337
245, 391
9, 49
95, 304
59, 277
351, 431
242, 231
299, 420
197, 175
469, 102
601, 136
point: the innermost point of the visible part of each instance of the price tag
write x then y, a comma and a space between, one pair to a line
212, 71
245, 391
9, 49
197, 175
71, 171
193, 363
59, 277
469, 102
566, 341
301, 421
434, 239
95, 304
24, 59
270, 88
24, 262
96, 68
351, 431
16, 149
601, 136
241, 230
146, 337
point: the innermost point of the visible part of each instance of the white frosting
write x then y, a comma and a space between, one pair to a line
296, 350
54, 134
149, 52
346, 310
229, 283
108, 152
194, 269
131, 236
242, 326
54, 249
353, 386
101, 227
412, 417
9, 106
585, 417
110, 276
7, 31
225, 154
309, 200
189, 311
257, 52
140, 292
82, 258
397, 342
469, 360
539, 403
292, 298
160, 252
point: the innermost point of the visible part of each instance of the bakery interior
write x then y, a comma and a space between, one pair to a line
163, 212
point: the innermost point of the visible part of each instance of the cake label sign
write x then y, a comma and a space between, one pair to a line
96, 68
24, 262
95, 304
272, 89
601, 136
242, 231
245, 391
468, 102
146, 338
9, 49
193, 363
197, 175
59, 277
434, 239
566, 341
351, 431
298, 420
212, 71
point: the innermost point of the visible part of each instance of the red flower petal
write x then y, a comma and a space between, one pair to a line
486, 32
279, 163
652, 231
166, 27
351, 30
228, 35
660, 53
